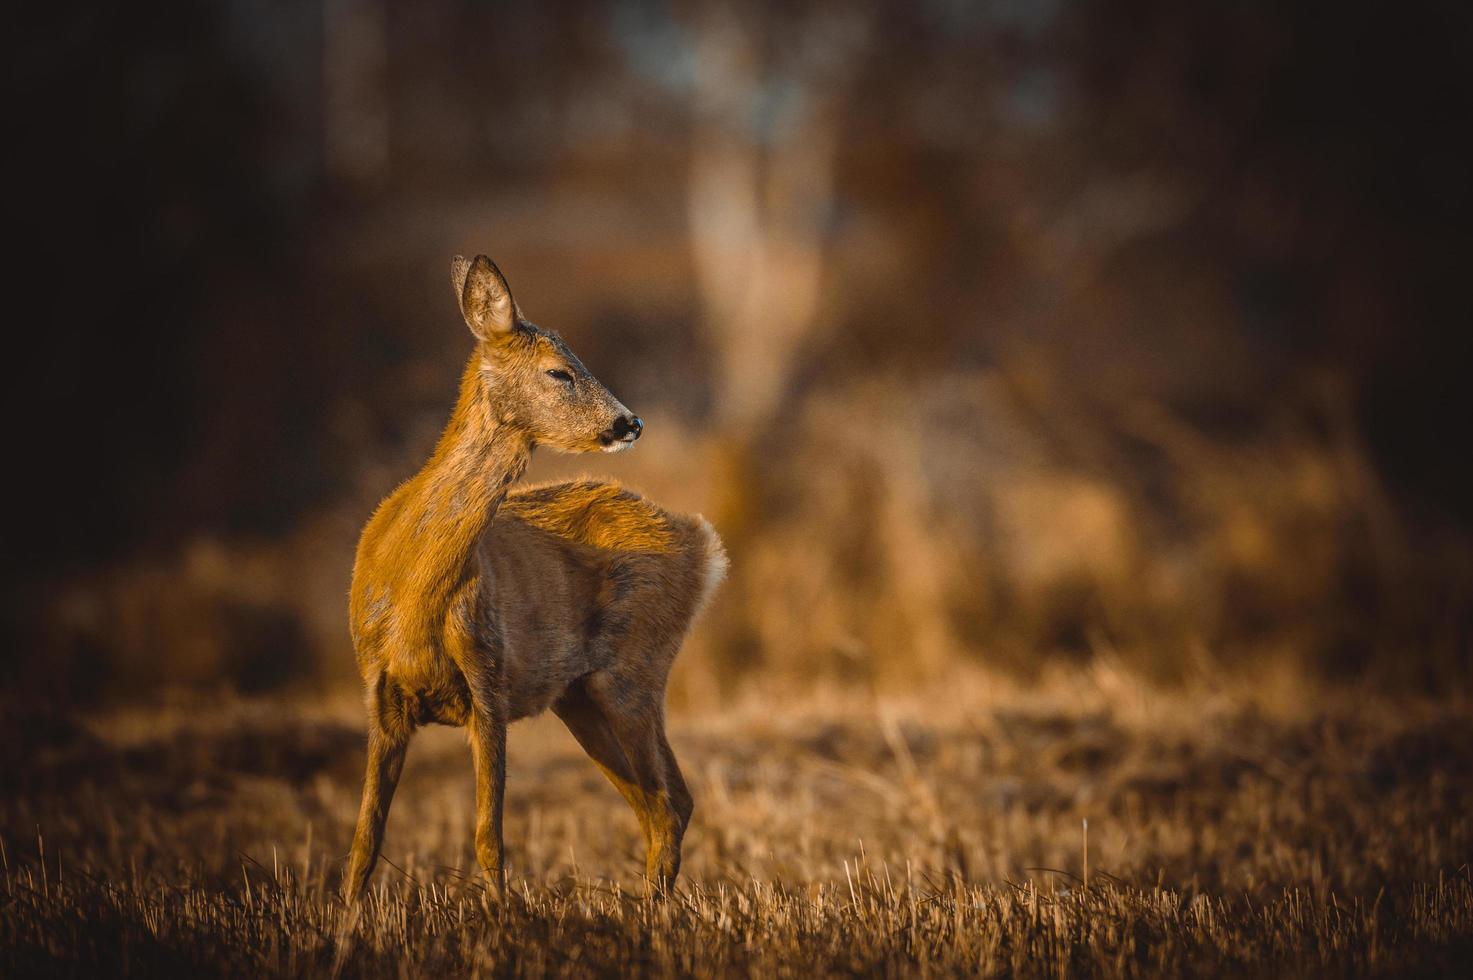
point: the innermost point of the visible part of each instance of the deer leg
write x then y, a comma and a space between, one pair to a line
637, 721
589, 726
488, 752
680, 796
388, 742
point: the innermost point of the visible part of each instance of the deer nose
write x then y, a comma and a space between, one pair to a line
630, 426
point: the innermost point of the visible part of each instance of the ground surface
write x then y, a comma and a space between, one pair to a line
1303, 834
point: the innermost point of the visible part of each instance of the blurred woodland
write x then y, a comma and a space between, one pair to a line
995, 333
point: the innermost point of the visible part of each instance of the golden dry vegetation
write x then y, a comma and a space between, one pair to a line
1275, 828
1076, 395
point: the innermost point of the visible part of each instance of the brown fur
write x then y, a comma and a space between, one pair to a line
476, 605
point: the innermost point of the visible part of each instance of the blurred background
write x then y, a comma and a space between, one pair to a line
1001, 334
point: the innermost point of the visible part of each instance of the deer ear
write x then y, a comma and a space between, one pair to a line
485, 298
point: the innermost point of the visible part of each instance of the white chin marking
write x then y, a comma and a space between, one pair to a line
619, 446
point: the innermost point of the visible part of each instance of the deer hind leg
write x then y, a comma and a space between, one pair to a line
389, 729
680, 797
636, 717
586, 721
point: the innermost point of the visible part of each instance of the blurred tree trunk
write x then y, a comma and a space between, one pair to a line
769, 110
763, 163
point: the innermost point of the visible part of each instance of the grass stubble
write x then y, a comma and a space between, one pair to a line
1272, 830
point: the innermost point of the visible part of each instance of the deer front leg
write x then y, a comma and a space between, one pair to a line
388, 742
488, 752
482, 668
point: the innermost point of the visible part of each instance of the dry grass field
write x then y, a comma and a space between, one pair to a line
1272, 829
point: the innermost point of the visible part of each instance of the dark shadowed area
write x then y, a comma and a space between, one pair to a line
1111, 355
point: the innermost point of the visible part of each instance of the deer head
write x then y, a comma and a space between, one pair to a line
534, 382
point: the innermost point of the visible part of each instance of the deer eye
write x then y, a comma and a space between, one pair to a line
560, 375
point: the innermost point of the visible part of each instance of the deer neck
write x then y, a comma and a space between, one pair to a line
460, 489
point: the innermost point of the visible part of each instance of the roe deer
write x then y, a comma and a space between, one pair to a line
476, 605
